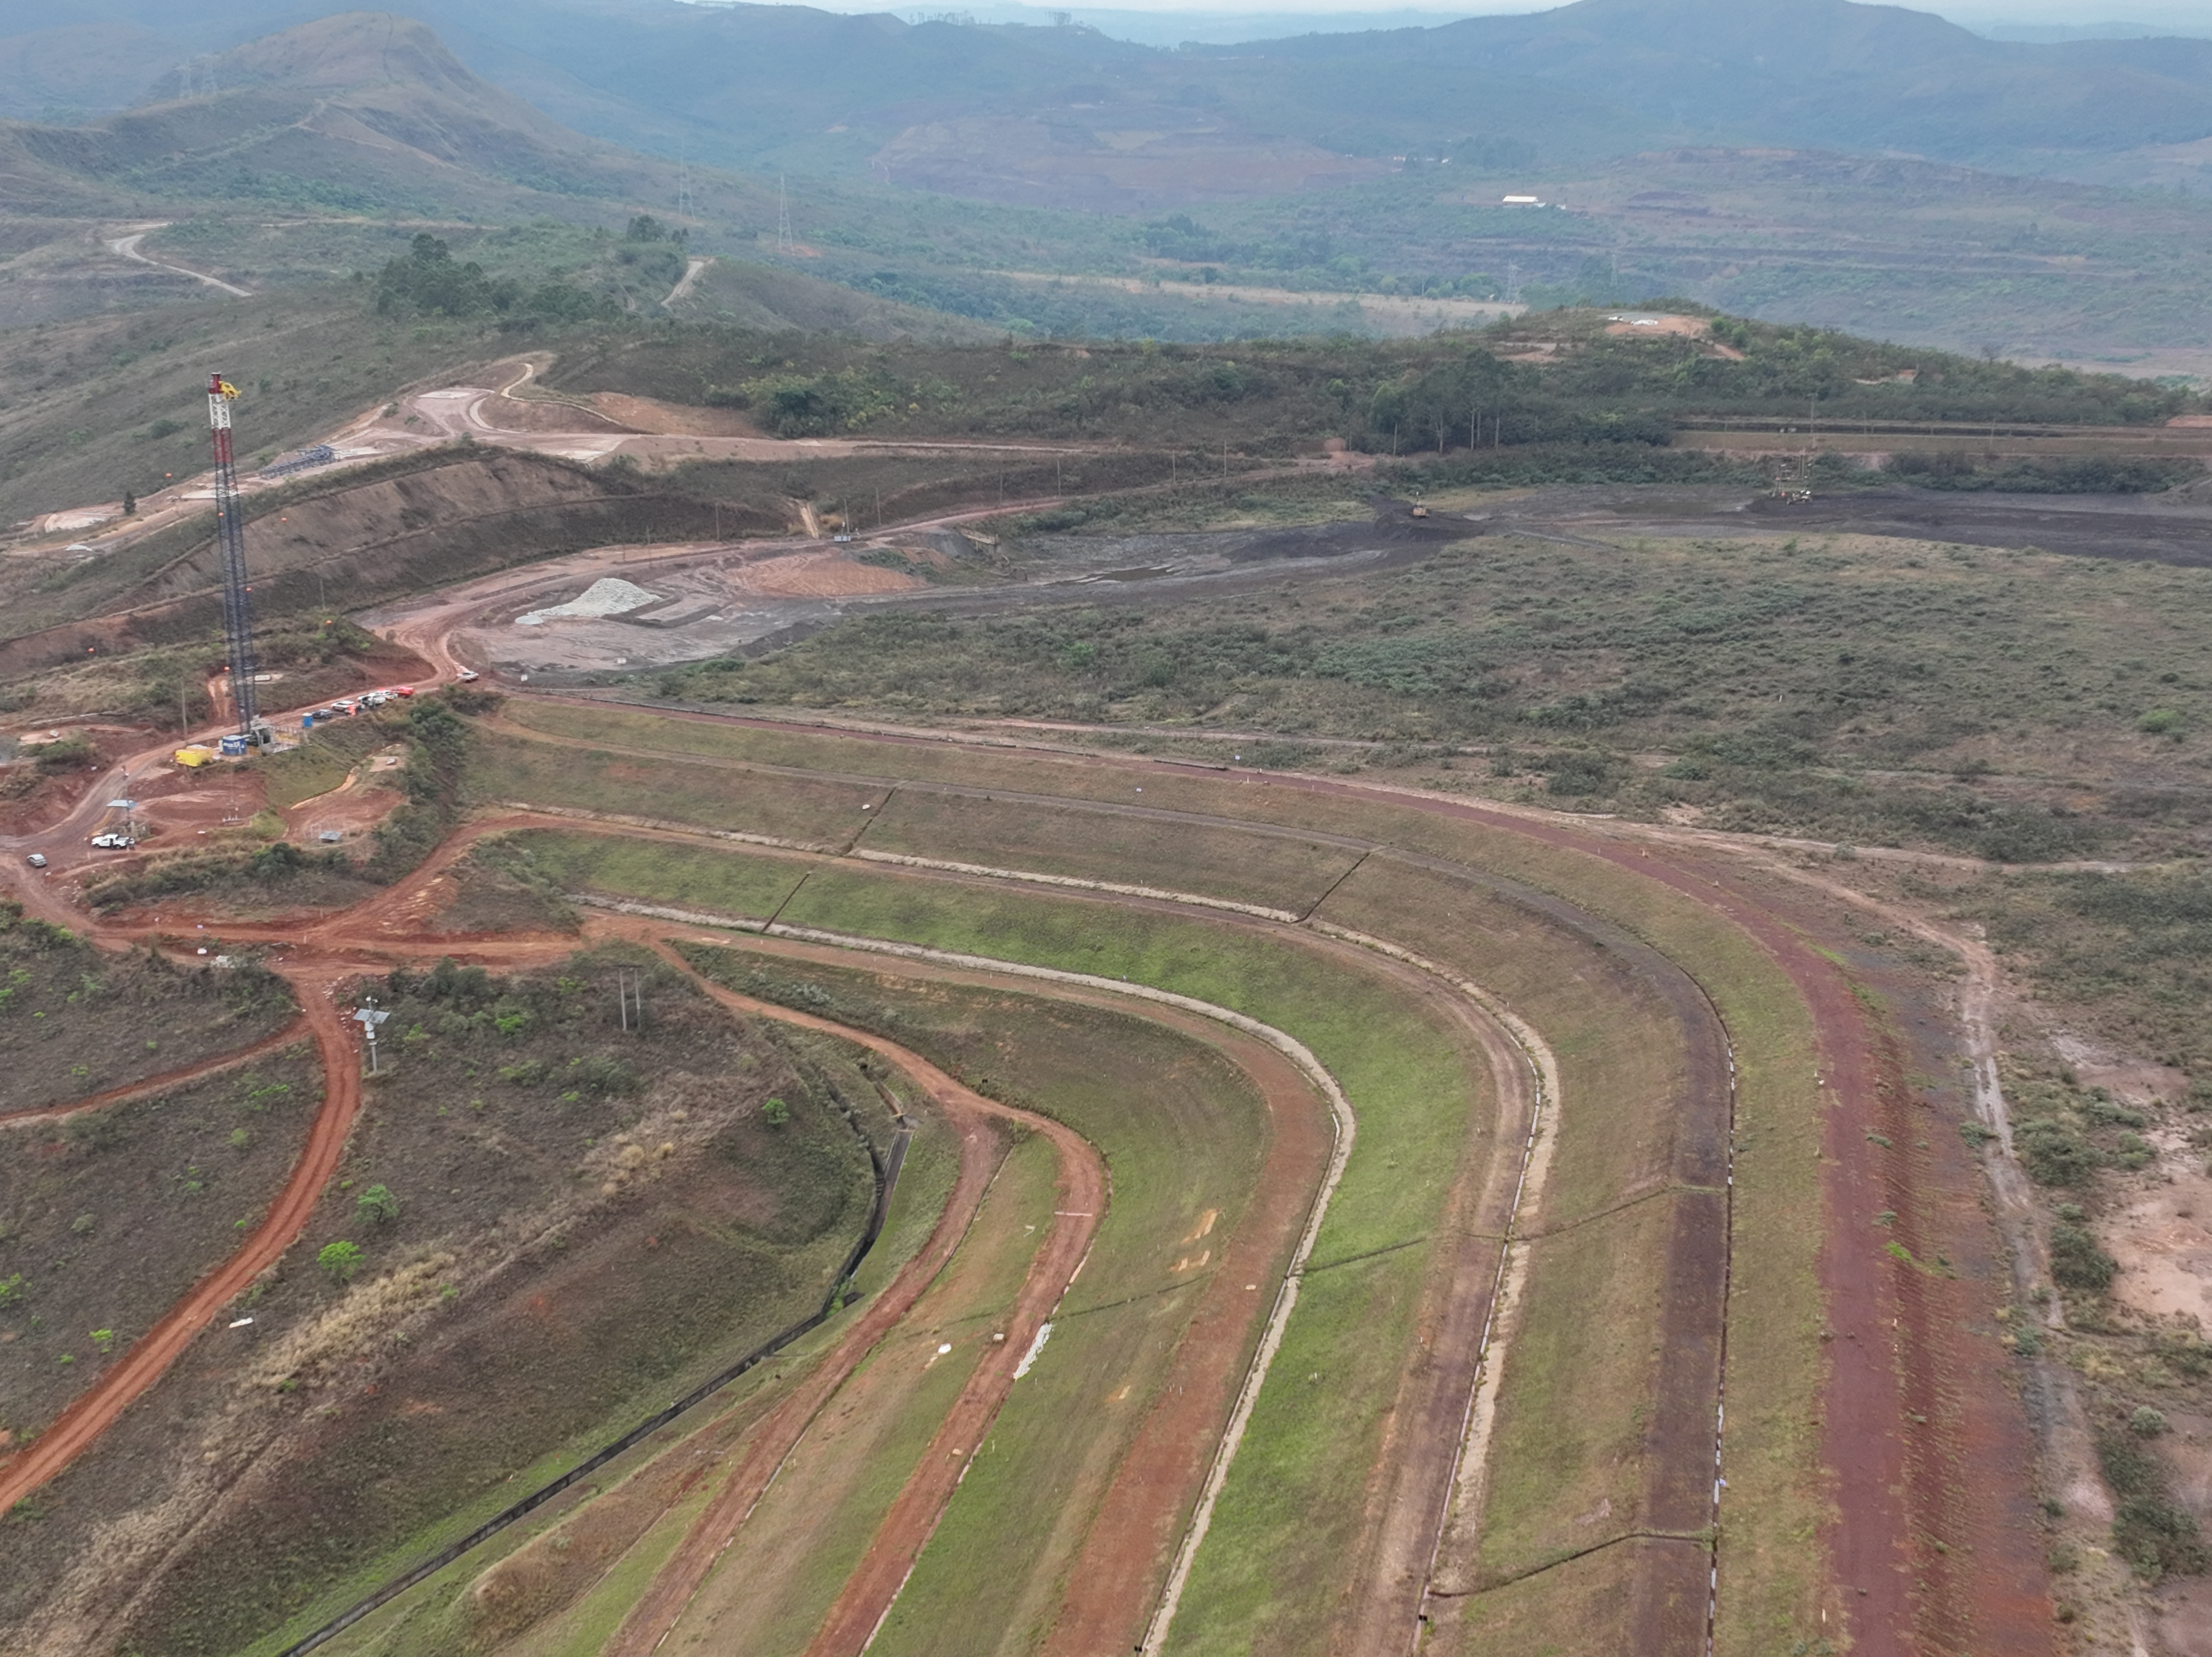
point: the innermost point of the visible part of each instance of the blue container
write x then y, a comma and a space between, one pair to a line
234, 747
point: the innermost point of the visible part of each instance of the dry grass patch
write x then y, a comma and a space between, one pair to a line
505, 769
1287, 872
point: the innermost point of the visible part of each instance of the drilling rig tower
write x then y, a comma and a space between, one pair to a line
230, 534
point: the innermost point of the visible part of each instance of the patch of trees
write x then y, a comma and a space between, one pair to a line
2066, 474
429, 282
438, 755
1598, 392
811, 405
2150, 1530
1826, 374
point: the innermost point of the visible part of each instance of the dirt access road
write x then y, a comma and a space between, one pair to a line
1082, 1197
79, 1425
566, 427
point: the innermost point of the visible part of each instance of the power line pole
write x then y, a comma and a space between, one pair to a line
783, 242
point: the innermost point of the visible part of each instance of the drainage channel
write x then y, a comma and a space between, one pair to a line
886, 1165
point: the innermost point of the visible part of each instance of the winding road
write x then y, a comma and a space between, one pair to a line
126, 246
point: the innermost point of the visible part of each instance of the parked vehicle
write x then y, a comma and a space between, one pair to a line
37, 859
468, 676
113, 842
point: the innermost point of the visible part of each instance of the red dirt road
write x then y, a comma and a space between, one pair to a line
1118, 1572
78, 1426
868, 1593
1880, 1373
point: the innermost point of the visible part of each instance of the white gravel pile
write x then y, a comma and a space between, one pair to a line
608, 596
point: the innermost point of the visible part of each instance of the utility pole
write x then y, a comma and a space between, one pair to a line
629, 997
783, 242
237, 611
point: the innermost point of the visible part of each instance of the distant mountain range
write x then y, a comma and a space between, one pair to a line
1769, 157
788, 86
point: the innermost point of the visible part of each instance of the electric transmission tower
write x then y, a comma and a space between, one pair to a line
782, 215
230, 533
683, 181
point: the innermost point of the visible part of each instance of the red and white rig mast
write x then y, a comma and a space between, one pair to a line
230, 536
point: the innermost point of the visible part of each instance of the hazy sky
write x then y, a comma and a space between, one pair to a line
2196, 17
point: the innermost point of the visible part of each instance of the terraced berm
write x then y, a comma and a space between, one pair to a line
1574, 1092
1644, 1034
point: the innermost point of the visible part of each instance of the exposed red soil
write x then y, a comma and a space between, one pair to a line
1977, 1553
1887, 1496
868, 1593
351, 808
645, 413
56, 795
1118, 1572
816, 575
500, 413
1883, 1373
195, 804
